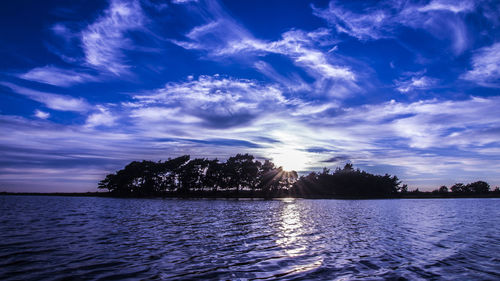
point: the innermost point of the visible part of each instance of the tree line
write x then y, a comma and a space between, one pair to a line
242, 175
346, 182
478, 187
184, 176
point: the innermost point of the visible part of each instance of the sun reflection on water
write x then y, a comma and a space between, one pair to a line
293, 241
291, 229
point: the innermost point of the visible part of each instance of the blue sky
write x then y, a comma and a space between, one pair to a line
400, 87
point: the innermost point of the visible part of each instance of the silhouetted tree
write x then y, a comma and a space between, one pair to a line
183, 175
479, 187
346, 182
348, 167
443, 189
192, 175
241, 171
145, 178
459, 188
170, 172
213, 175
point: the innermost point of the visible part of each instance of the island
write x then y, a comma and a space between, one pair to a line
243, 175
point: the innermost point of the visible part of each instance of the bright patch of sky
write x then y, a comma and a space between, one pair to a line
410, 88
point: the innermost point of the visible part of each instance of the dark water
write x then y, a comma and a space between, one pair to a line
55, 238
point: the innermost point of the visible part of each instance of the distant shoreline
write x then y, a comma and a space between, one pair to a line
244, 195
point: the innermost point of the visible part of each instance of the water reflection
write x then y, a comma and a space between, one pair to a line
99, 238
295, 239
291, 229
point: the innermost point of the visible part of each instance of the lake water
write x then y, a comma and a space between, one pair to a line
85, 238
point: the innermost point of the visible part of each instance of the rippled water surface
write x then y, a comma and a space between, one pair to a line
79, 238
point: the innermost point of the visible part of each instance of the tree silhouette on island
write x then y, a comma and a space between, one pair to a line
244, 176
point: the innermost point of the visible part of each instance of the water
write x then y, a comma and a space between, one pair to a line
79, 238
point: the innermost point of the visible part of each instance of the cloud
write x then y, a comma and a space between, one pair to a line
101, 118
423, 124
295, 44
227, 142
41, 114
485, 67
223, 38
421, 139
370, 25
215, 101
451, 6
105, 40
184, 1
103, 45
57, 76
415, 81
50, 100
293, 82
336, 159
442, 19
317, 150
442, 24
44, 152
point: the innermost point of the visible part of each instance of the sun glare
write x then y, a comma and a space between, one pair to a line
290, 159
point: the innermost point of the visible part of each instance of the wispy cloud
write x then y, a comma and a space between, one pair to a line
485, 67
223, 37
41, 114
292, 82
57, 76
417, 137
103, 117
423, 124
452, 6
184, 1
442, 19
371, 24
415, 81
50, 100
295, 44
336, 159
105, 40
216, 101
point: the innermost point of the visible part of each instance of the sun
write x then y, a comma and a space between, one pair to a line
290, 159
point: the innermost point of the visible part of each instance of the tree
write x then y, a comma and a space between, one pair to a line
241, 171
458, 188
346, 182
213, 176
348, 167
192, 174
110, 183
479, 187
443, 189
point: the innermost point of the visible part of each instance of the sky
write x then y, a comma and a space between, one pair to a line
409, 88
